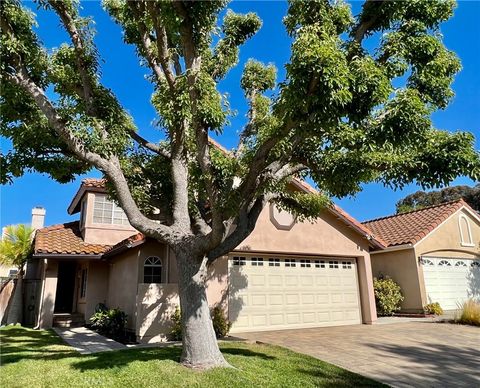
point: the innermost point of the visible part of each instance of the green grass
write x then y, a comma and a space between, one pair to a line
31, 358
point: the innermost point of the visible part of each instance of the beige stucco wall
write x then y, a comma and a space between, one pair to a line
97, 286
402, 267
48, 293
122, 284
445, 240
102, 233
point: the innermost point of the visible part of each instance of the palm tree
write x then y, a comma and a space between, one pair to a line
15, 249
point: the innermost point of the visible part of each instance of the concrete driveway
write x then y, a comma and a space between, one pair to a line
419, 354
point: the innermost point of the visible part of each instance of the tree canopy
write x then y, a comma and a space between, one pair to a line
342, 116
421, 199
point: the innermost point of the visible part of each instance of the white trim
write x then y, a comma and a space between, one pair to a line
463, 241
392, 249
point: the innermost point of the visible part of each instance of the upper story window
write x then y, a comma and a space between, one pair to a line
83, 213
152, 270
106, 211
465, 231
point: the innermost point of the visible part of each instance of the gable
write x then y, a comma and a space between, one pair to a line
327, 235
458, 233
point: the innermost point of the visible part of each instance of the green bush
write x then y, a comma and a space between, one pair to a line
220, 324
469, 313
176, 332
433, 308
109, 322
388, 295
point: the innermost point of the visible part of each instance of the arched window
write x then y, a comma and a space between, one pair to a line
426, 262
475, 264
444, 263
152, 270
465, 231
460, 264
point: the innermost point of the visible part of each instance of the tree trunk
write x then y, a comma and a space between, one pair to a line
200, 347
15, 311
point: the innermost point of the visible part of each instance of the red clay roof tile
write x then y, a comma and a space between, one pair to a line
411, 227
65, 239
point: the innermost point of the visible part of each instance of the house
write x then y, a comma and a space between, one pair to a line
286, 274
432, 253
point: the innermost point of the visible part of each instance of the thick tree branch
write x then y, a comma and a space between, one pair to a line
149, 145
146, 41
162, 44
79, 47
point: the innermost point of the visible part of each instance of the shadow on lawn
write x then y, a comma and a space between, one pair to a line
107, 360
19, 344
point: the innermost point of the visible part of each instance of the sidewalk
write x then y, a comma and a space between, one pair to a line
86, 341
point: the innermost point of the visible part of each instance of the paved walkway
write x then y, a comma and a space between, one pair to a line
86, 341
408, 354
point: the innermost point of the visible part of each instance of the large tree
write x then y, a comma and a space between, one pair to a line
336, 117
421, 199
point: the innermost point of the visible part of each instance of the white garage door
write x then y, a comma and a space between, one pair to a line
268, 293
450, 281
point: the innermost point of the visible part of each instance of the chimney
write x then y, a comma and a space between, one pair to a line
38, 217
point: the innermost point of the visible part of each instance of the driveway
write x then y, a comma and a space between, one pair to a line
419, 354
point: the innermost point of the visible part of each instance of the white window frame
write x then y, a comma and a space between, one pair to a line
463, 241
115, 209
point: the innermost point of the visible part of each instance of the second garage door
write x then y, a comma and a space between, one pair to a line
273, 293
450, 281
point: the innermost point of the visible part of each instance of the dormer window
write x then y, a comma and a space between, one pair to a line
466, 239
106, 211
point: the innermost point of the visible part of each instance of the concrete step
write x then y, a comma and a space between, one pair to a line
68, 320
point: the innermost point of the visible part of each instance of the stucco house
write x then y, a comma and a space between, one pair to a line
432, 253
286, 274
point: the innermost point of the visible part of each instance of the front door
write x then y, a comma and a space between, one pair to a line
65, 287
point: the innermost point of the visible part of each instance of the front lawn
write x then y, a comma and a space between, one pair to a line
32, 358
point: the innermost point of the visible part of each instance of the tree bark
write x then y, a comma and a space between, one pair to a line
15, 311
200, 347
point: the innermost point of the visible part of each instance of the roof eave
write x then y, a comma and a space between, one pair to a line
74, 206
393, 248
67, 256
122, 248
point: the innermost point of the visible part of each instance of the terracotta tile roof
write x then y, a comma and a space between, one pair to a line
94, 182
65, 239
411, 227
135, 240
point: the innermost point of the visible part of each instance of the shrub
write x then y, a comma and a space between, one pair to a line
221, 325
388, 295
176, 332
433, 308
469, 313
109, 322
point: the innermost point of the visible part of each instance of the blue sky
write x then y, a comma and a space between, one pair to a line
122, 73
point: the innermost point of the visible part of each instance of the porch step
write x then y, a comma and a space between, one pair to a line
68, 320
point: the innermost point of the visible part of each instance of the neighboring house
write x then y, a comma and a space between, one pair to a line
286, 274
433, 254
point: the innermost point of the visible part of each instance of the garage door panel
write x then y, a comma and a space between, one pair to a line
447, 280
302, 294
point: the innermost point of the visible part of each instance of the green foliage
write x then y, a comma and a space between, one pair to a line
221, 325
109, 322
176, 330
421, 199
388, 295
433, 308
347, 114
16, 245
469, 313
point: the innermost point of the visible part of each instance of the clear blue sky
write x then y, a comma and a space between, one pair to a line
121, 72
